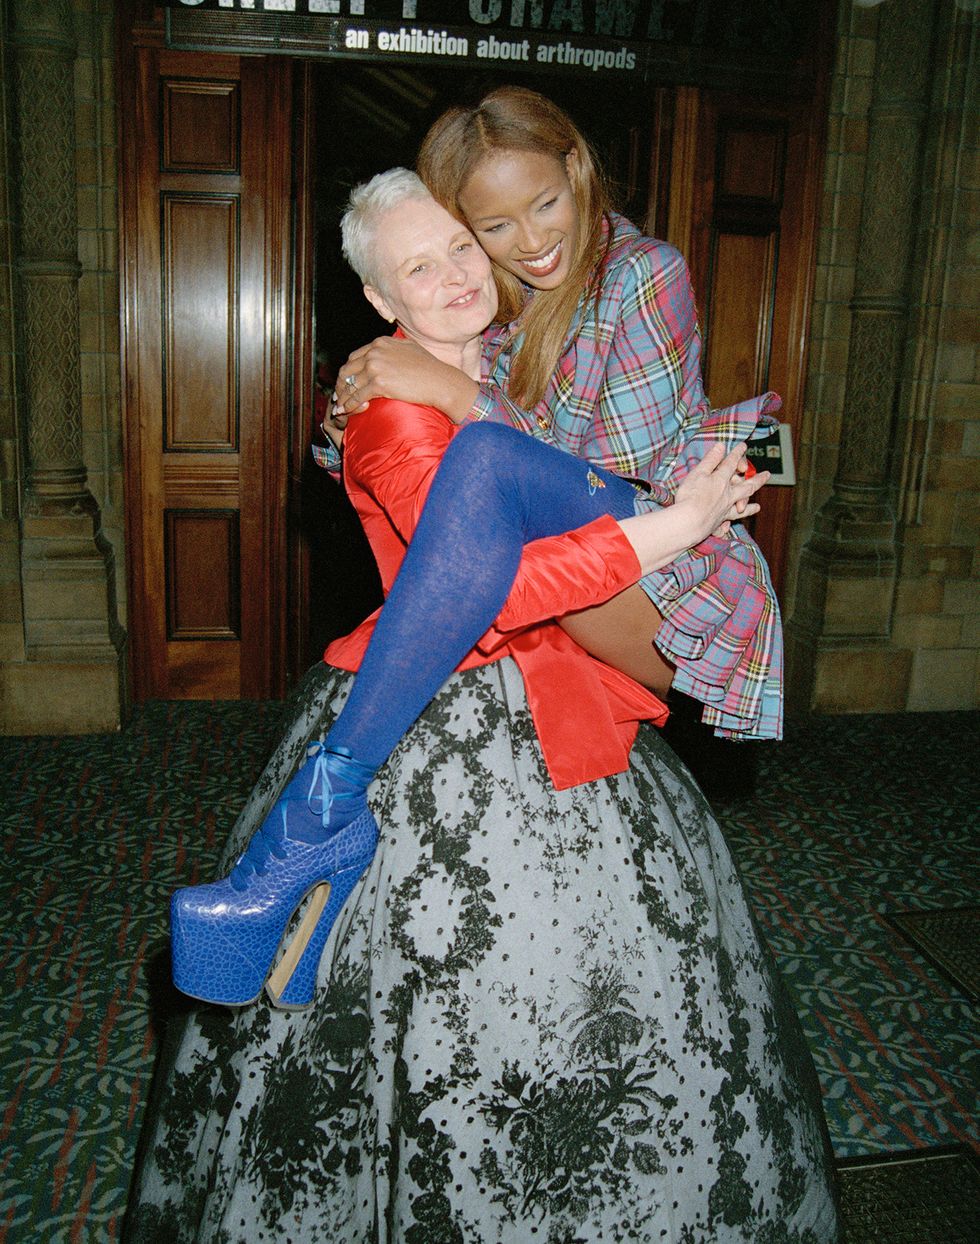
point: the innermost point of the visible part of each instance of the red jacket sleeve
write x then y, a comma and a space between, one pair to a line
392, 451
562, 574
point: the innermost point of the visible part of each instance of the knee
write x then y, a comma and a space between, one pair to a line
482, 453
488, 441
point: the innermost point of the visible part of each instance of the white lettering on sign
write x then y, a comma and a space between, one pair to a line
567, 12
619, 18
333, 7
422, 42
555, 49
589, 58
536, 18
485, 11
498, 49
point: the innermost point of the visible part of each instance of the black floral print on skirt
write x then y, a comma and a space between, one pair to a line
542, 1016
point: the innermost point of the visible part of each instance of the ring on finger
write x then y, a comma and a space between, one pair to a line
351, 383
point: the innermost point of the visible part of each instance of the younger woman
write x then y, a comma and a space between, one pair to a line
597, 352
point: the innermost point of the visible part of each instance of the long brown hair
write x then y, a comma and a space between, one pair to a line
512, 118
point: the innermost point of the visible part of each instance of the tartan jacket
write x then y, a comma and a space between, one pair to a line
628, 395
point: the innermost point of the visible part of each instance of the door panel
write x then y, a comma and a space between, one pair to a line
740, 291
200, 316
202, 558
200, 127
741, 228
206, 249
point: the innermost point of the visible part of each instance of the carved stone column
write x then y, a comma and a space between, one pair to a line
837, 640
73, 678
48, 254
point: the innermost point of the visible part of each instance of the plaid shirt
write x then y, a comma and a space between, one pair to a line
627, 395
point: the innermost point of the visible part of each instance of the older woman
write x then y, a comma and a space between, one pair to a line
494, 491
545, 1012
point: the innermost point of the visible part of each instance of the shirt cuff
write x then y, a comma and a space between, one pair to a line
483, 407
328, 457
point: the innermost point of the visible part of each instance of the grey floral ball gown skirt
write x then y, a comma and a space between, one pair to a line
541, 1016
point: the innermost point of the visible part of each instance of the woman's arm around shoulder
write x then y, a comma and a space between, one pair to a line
397, 367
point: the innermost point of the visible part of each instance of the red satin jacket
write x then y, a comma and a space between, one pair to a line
585, 713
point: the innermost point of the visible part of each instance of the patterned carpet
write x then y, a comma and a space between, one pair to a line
854, 820
97, 832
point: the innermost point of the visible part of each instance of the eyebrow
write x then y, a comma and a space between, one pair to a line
544, 194
420, 256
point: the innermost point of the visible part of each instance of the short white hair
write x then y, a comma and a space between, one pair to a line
368, 202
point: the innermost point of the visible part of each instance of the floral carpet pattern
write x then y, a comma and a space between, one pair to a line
855, 818
852, 820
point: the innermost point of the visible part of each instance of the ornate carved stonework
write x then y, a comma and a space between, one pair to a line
45, 116
51, 359
74, 677
48, 267
906, 31
873, 363
845, 588
885, 251
891, 188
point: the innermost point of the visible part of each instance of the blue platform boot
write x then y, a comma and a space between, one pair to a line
495, 490
225, 935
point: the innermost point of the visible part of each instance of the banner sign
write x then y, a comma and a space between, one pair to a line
585, 36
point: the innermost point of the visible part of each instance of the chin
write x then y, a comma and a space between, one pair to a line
551, 281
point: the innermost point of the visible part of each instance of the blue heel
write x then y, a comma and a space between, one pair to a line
292, 981
225, 935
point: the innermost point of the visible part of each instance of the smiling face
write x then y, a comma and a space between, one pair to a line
435, 280
521, 207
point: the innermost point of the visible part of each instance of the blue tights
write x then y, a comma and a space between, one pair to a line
495, 490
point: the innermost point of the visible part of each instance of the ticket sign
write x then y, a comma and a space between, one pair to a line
774, 453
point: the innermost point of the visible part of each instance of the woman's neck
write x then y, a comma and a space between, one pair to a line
465, 355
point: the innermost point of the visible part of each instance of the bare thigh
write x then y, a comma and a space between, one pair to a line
620, 632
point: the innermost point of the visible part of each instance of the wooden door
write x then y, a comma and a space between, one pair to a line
743, 199
206, 288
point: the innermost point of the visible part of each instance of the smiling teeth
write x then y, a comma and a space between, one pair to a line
543, 263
